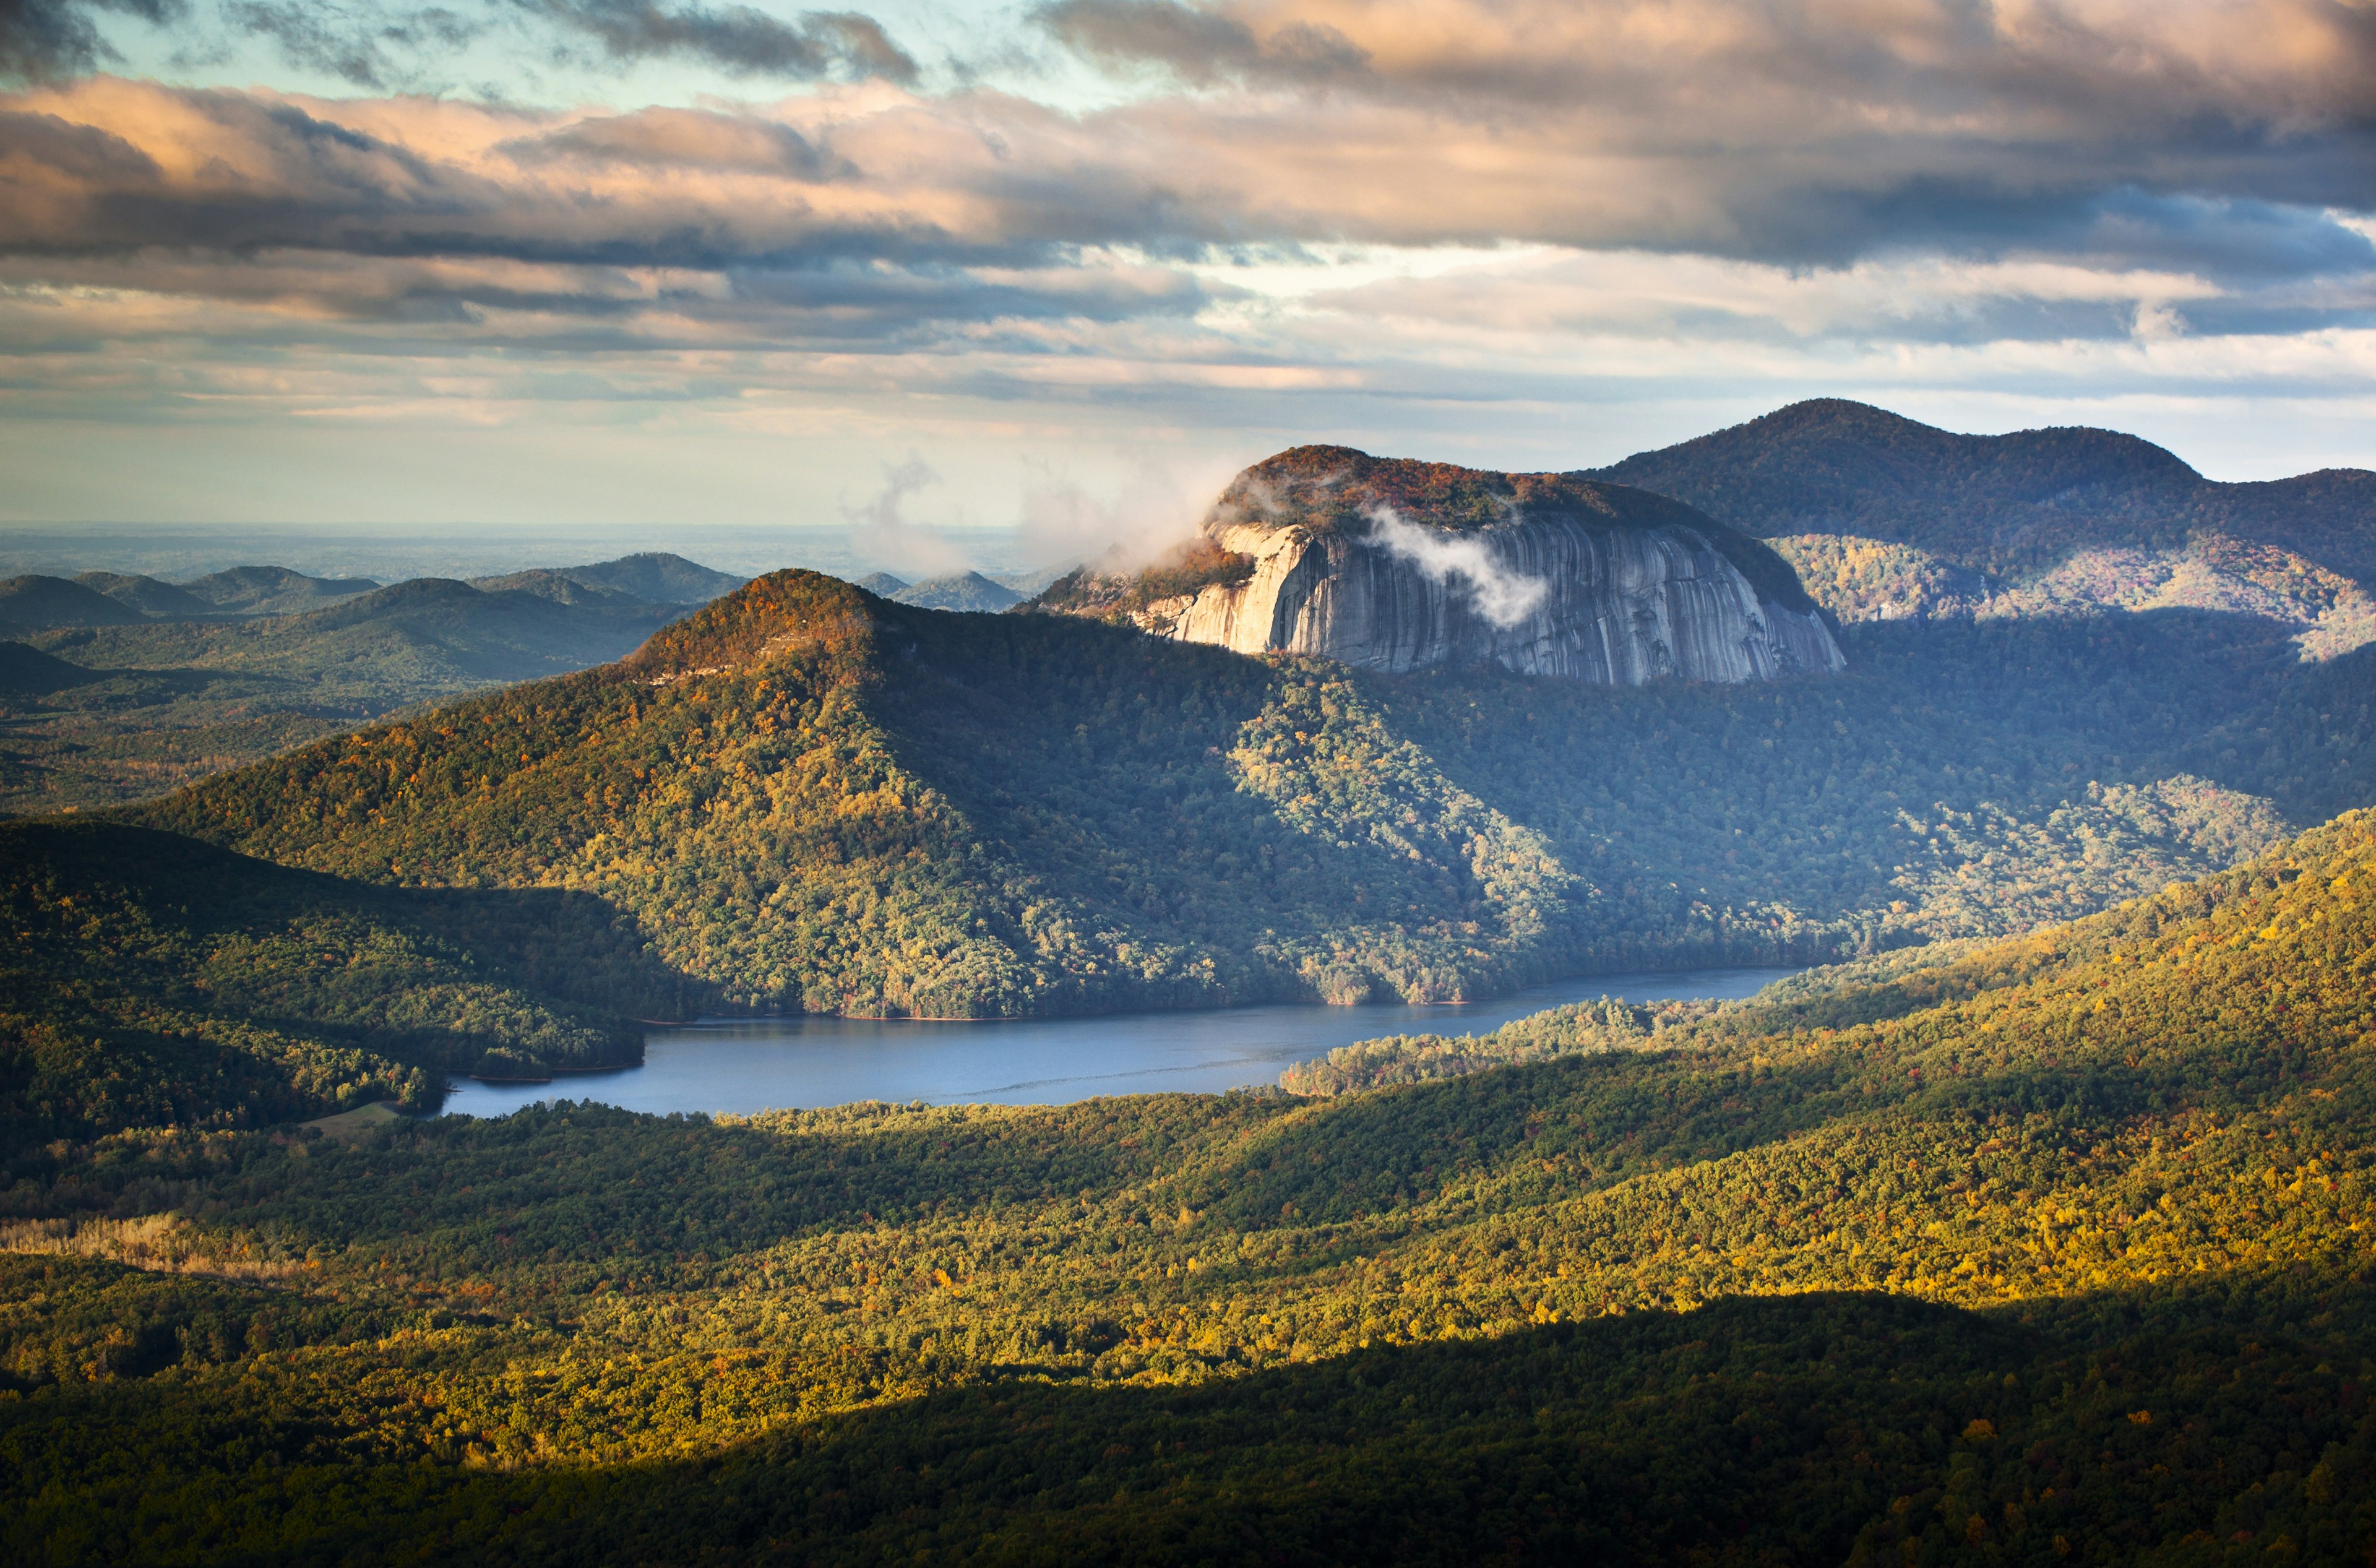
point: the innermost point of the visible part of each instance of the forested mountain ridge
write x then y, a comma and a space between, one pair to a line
2012, 503
809, 798
787, 788
2056, 1253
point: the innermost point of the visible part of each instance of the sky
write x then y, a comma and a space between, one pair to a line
1057, 269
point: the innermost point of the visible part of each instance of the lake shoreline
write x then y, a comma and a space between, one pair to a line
745, 1063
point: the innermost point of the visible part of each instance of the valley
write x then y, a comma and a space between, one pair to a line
2062, 1240
2025, 1222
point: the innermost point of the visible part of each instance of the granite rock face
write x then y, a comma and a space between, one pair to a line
1398, 565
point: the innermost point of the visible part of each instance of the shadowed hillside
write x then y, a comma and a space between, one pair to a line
149, 981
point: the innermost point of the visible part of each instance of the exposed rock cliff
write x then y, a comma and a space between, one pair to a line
1395, 564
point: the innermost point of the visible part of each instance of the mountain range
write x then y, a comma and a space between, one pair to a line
104, 703
1883, 517
1999, 503
2029, 1229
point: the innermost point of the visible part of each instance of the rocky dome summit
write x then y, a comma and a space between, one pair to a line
1396, 564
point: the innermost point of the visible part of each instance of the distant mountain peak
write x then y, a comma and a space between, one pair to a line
2014, 503
960, 591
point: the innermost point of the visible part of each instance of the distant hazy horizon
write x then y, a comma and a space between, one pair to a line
177, 553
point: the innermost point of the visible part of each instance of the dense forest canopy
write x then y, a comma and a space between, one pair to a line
2057, 1250
148, 981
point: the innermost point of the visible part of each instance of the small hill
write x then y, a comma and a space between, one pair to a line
2020, 503
39, 603
656, 577
964, 590
26, 671
883, 585
158, 600
546, 583
273, 590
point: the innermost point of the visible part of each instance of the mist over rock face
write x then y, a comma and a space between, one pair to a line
1396, 565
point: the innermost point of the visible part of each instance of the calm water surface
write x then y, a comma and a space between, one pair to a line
743, 1065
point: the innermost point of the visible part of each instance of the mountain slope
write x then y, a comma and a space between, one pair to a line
28, 671
147, 980
2017, 503
816, 799
810, 798
2058, 1253
38, 604
151, 598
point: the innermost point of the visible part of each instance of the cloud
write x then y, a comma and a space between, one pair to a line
684, 138
1502, 596
739, 39
368, 49
873, 175
879, 533
1199, 46
42, 39
1315, 217
372, 45
1141, 519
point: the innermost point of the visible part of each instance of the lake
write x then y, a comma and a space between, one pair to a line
742, 1065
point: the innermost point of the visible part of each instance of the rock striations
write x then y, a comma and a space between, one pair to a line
1396, 566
